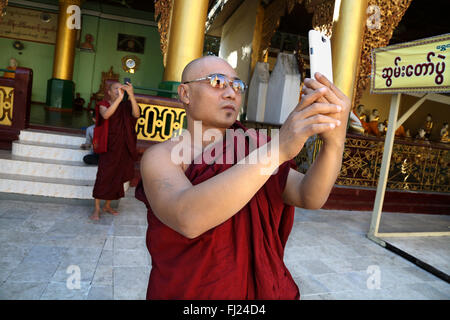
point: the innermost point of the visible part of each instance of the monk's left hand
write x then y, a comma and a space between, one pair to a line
335, 96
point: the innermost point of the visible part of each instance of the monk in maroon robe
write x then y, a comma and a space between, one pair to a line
116, 165
218, 224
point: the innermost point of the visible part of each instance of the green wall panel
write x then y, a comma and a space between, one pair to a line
88, 66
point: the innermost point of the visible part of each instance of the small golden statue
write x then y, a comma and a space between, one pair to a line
444, 133
421, 135
373, 123
381, 129
408, 134
428, 126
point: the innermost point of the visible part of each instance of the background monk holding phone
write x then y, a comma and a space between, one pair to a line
116, 165
218, 231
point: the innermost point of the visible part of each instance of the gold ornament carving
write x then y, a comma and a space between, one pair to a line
3, 4
159, 123
391, 13
323, 17
414, 166
6, 105
163, 11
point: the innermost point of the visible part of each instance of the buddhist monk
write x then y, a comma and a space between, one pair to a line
217, 230
116, 165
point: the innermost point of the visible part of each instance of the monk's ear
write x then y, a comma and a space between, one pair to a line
183, 93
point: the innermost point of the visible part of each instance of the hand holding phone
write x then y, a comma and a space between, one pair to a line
320, 54
125, 94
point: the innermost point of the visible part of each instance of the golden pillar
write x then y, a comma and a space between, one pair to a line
187, 33
65, 40
60, 87
346, 43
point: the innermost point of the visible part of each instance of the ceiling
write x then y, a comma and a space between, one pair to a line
422, 20
142, 5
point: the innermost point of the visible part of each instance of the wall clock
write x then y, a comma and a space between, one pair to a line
130, 63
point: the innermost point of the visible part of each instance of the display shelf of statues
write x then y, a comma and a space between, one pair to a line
370, 125
416, 164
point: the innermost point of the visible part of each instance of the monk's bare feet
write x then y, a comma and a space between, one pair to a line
95, 216
111, 211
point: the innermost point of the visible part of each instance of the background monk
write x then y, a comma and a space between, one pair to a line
218, 231
116, 165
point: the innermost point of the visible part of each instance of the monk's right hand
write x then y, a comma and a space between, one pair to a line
121, 93
308, 118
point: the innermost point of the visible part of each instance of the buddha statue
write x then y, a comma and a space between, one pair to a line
355, 123
428, 126
373, 122
421, 134
381, 129
444, 133
408, 133
360, 112
87, 44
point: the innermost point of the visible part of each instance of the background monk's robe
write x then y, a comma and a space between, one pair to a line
116, 165
242, 258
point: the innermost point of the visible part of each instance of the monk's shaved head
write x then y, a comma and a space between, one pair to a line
194, 68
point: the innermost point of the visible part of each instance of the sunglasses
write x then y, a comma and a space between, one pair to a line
220, 81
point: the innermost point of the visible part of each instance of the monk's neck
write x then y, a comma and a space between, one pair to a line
206, 134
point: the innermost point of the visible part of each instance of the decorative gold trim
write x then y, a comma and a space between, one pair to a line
163, 12
6, 105
3, 5
159, 123
391, 12
323, 17
417, 167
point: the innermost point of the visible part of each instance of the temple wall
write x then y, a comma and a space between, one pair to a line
88, 66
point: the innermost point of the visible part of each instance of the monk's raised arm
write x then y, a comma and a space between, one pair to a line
311, 190
193, 210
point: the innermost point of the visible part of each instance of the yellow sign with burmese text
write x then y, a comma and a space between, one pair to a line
417, 66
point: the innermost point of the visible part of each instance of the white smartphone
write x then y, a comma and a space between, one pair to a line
320, 54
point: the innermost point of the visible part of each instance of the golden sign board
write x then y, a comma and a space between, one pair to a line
417, 66
29, 24
159, 123
6, 105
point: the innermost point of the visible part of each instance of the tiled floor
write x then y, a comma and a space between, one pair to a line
44, 246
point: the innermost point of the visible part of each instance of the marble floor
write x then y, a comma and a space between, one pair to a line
45, 248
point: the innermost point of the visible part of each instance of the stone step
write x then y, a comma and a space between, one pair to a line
43, 150
44, 186
41, 136
48, 187
50, 168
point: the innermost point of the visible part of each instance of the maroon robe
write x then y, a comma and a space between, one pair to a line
116, 165
242, 258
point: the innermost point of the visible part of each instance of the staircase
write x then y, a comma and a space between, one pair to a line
47, 166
